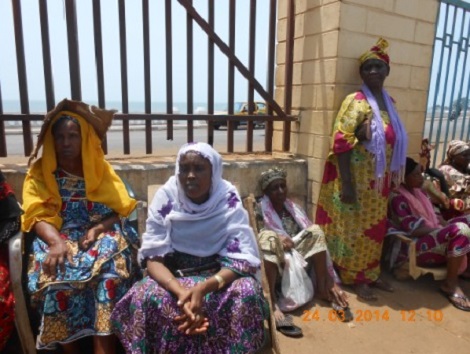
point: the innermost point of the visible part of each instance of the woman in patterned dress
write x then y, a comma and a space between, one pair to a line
368, 154
437, 241
283, 226
9, 224
75, 207
201, 294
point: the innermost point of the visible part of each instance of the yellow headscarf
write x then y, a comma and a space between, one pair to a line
378, 51
41, 198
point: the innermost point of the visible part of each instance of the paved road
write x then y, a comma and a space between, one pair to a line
161, 146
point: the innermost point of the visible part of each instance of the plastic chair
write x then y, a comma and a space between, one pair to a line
249, 203
411, 267
22, 323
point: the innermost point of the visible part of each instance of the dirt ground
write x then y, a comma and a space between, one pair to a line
416, 318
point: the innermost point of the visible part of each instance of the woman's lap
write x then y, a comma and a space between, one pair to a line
452, 240
144, 319
81, 303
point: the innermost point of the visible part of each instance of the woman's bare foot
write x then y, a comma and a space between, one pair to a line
332, 292
383, 285
278, 314
364, 291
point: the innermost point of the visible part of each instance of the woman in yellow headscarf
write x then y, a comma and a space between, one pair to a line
75, 209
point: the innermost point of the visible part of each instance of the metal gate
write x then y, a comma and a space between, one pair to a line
448, 112
273, 110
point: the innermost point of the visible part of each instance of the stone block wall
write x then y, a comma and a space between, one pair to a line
330, 35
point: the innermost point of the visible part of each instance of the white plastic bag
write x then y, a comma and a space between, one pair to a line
297, 287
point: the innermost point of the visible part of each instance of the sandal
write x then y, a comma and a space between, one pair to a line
287, 327
383, 285
343, 314
453, 299
364, 291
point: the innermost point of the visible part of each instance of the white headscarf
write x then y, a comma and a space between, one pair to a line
218, 226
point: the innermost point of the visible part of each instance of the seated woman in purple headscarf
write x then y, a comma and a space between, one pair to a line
201, 294
438, 241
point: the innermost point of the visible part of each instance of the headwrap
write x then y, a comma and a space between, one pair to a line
271, 175
41, 197
377, 144
455, 148
220, 225
378, 51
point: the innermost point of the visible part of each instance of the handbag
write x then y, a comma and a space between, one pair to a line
297, 287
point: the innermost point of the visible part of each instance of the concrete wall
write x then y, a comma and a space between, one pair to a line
241, 170
330, 35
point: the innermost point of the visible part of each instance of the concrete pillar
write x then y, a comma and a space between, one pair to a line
330, 35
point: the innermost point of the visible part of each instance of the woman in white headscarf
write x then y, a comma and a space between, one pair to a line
201, 294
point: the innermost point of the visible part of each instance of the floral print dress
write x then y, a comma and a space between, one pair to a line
452, 240
144, 318
79, 302
355, 232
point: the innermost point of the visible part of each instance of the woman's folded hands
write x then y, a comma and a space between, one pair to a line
192, 320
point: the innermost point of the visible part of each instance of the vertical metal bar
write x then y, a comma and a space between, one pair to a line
124, 89
3, 142
464, 45
456, 66
231, 74
74, 59
210, 76
169, 68
22, 78
251, 67
437, 85
288, 72
451, 43
46, 55
189, 70
147, 75
268, 136
98, 37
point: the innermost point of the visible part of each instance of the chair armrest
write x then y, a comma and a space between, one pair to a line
141, 216
23, 326
404, 238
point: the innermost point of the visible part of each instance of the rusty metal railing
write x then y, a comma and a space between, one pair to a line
273, 113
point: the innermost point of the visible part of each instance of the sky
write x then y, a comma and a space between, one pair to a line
109, 13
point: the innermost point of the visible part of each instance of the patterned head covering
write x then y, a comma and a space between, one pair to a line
378, 51
455, 148
270, 175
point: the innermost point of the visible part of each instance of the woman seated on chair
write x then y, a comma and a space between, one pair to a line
9, 224
456, 172
279, 220
75, 206
201, 294
438, 241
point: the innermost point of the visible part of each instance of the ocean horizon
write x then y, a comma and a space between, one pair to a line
40, 107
